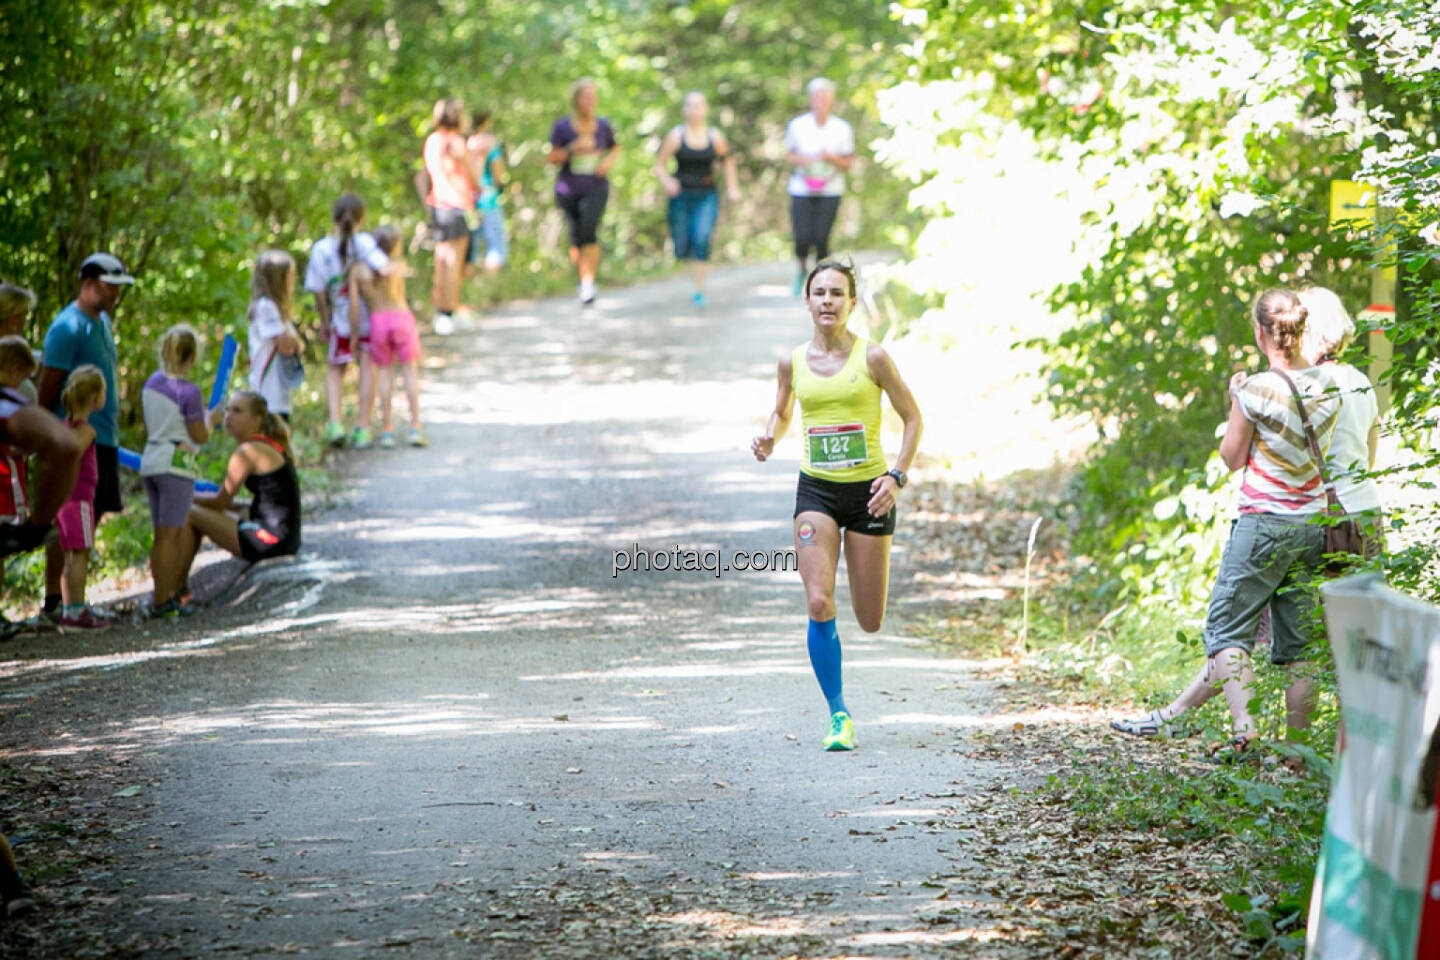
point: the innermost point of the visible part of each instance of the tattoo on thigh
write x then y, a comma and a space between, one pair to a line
805, 534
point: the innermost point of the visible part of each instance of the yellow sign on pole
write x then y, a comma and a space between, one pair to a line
1351, 203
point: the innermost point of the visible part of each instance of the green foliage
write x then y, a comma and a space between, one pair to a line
1197, 143
186, 137
1266, 828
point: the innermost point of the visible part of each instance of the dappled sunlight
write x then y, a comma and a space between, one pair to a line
774, 875
1065, 715
726, 925
897, 938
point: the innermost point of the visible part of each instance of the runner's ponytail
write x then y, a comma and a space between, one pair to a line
273, 426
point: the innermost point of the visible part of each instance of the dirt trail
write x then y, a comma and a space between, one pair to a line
451, 730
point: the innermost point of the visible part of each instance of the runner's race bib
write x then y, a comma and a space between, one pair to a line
584, 162
836, 447
817, 176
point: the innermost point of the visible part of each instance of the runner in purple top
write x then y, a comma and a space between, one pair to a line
583, 147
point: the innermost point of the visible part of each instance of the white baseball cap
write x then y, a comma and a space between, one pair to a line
106, 268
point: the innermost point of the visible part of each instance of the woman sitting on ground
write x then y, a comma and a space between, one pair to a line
263, 465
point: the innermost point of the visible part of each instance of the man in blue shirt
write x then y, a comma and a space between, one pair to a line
83, 333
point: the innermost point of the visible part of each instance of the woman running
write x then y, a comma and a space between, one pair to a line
694, 201
844, 483
820, 148
583, 147
451, 202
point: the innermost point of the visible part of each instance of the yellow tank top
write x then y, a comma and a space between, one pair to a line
839, 417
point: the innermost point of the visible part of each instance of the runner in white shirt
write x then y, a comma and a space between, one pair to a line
820, 148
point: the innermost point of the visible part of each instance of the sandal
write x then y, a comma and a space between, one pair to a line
1149, 725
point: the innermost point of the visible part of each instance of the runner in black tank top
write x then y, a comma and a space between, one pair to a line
695, 169
274, 526
694, 201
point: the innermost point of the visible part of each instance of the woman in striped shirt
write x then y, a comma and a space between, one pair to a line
1274, 548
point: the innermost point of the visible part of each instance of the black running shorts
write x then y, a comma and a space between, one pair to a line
844, 502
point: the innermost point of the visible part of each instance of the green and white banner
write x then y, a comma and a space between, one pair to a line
1377, 887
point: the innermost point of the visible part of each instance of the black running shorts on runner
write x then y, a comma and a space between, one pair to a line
447, 223
844, 502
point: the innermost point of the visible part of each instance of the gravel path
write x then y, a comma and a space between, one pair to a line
451, 730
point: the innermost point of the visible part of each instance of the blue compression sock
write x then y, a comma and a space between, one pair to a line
824, 642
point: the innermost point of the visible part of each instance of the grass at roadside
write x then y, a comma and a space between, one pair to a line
1116, 847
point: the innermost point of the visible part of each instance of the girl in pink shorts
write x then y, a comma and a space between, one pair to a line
83, 395
393, 337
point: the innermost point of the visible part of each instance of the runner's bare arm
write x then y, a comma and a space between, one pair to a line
727, 160
882, 371
608, 161
668, 146
844, 161
422, 186
236, 471
763, 445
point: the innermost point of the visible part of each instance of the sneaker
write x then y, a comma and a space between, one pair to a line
416, 439
334, 434
386, 440
100, 613
44, 620
698, 299
10, 629
81, 621
171, 608
361, 439
444, 324
587, 292
842, 732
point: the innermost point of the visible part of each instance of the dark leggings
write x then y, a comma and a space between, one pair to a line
583, 212
812, 218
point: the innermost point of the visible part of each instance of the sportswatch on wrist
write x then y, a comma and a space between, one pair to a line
900, 478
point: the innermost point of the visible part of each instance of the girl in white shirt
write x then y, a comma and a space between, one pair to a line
272, 332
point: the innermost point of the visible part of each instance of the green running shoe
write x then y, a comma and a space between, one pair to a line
361, 439
334, 434
842, 732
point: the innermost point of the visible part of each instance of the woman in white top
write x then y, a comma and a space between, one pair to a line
820, 148
1328, 331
